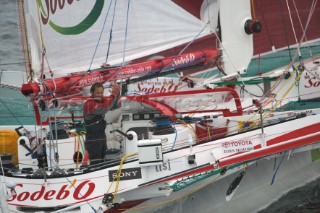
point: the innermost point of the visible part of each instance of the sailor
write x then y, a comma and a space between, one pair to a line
94, 111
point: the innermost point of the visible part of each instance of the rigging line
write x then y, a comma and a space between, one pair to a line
275, 173
208, 9
56, 132
89, 69
41, 35
104, 23
175, 137
293, 28
110, 34
285, 29
282, 97
265, 26
50, 71
55, 147
73, 185
314, 2
310, 50
226, 53
187, 45
253, 10
296, 52
126, 35
165, 67
42, 42
10, 111
163, 71
264, 96
117, 176
2, 170
306, 39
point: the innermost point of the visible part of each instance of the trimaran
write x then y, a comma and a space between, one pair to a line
217, 132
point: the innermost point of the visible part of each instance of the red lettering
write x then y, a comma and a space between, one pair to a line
51, 7
48, 194
151, 89
15, 195
162, 90
61, 3
156, 89
38, 194
53, 4
310, 84
43, 18
82, 191
62, 194
23, 196
78, 196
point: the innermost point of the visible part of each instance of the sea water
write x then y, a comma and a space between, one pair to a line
304, 199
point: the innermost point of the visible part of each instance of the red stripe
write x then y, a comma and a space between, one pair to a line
270, 151
295, 134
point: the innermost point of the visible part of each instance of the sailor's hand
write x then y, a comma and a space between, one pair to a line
115, 90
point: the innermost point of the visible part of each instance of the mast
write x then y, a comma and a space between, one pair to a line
24, 38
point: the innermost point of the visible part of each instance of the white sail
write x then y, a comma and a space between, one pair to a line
70, 32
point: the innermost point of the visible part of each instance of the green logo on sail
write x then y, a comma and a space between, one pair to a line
51, 7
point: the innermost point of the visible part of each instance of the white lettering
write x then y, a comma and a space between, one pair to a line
183, 60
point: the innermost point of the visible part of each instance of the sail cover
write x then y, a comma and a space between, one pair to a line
83, 35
